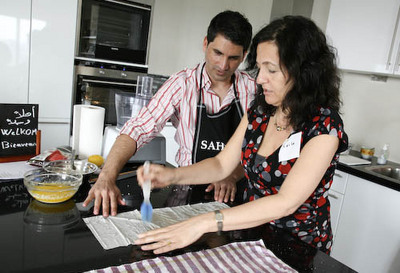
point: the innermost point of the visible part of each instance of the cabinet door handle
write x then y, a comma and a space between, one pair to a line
333, 196
338, 175
108, 82
129, 5
388, 63
397, 63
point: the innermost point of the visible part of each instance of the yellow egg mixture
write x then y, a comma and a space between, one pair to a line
55, 193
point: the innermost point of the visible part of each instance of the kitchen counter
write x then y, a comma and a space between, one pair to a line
37, 237
362, 172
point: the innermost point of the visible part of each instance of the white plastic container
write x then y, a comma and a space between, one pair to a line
384, 155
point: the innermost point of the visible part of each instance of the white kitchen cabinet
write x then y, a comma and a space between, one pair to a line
54, 135
52, 58
170, 144
37, 44
52, 66
366, 34
336, 197
15, 24
368, 232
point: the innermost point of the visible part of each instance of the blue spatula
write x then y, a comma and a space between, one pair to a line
146, 209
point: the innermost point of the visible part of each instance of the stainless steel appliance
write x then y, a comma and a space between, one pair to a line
114, 31
97, 84
154, 151
113, 39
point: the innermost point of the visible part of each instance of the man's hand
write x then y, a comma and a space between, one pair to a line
225, 190
105, 193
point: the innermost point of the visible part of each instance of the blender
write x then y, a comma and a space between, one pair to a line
128, 105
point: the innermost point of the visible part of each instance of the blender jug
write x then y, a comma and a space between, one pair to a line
129, 104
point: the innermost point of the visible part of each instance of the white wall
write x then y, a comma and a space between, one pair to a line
179, 27
371, 112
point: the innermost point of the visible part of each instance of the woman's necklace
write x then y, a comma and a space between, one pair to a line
278, 127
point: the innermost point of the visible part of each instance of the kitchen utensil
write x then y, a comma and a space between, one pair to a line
50, 187
65, 166
146, 209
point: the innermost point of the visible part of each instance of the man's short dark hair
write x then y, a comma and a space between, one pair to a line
233, 26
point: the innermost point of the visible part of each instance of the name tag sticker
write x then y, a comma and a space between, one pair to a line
290, 148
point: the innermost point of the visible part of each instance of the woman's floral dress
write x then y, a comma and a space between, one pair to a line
265, 175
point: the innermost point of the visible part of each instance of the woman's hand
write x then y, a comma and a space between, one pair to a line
159, 175
175, 236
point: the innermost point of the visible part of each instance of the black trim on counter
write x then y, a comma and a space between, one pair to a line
362, 172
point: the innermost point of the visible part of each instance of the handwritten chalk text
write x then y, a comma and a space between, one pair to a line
18, 132
11, 145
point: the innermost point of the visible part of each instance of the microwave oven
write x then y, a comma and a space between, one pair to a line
114, 31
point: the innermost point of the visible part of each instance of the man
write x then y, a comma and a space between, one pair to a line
205, 105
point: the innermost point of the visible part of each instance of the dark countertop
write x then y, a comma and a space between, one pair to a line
363, 172
37, 237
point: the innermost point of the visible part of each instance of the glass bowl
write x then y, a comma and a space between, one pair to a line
50, 187
64, 166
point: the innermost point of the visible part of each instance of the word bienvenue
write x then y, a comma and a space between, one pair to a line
10, 145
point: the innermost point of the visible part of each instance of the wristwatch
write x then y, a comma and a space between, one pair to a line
219, 217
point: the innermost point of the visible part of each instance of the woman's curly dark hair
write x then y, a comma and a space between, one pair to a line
310, 63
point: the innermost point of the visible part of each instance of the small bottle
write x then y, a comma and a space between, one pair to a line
383, 156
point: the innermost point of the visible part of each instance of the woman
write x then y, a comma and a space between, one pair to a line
288, 143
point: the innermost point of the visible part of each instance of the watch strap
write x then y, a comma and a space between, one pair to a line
219, 218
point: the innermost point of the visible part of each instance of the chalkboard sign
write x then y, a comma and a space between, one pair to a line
18, 129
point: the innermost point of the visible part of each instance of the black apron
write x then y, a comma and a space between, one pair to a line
211, 135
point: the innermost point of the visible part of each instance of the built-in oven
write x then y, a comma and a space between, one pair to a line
98, 86
111, 50
113, 38
116, 31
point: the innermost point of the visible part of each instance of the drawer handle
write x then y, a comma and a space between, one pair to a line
333, 196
